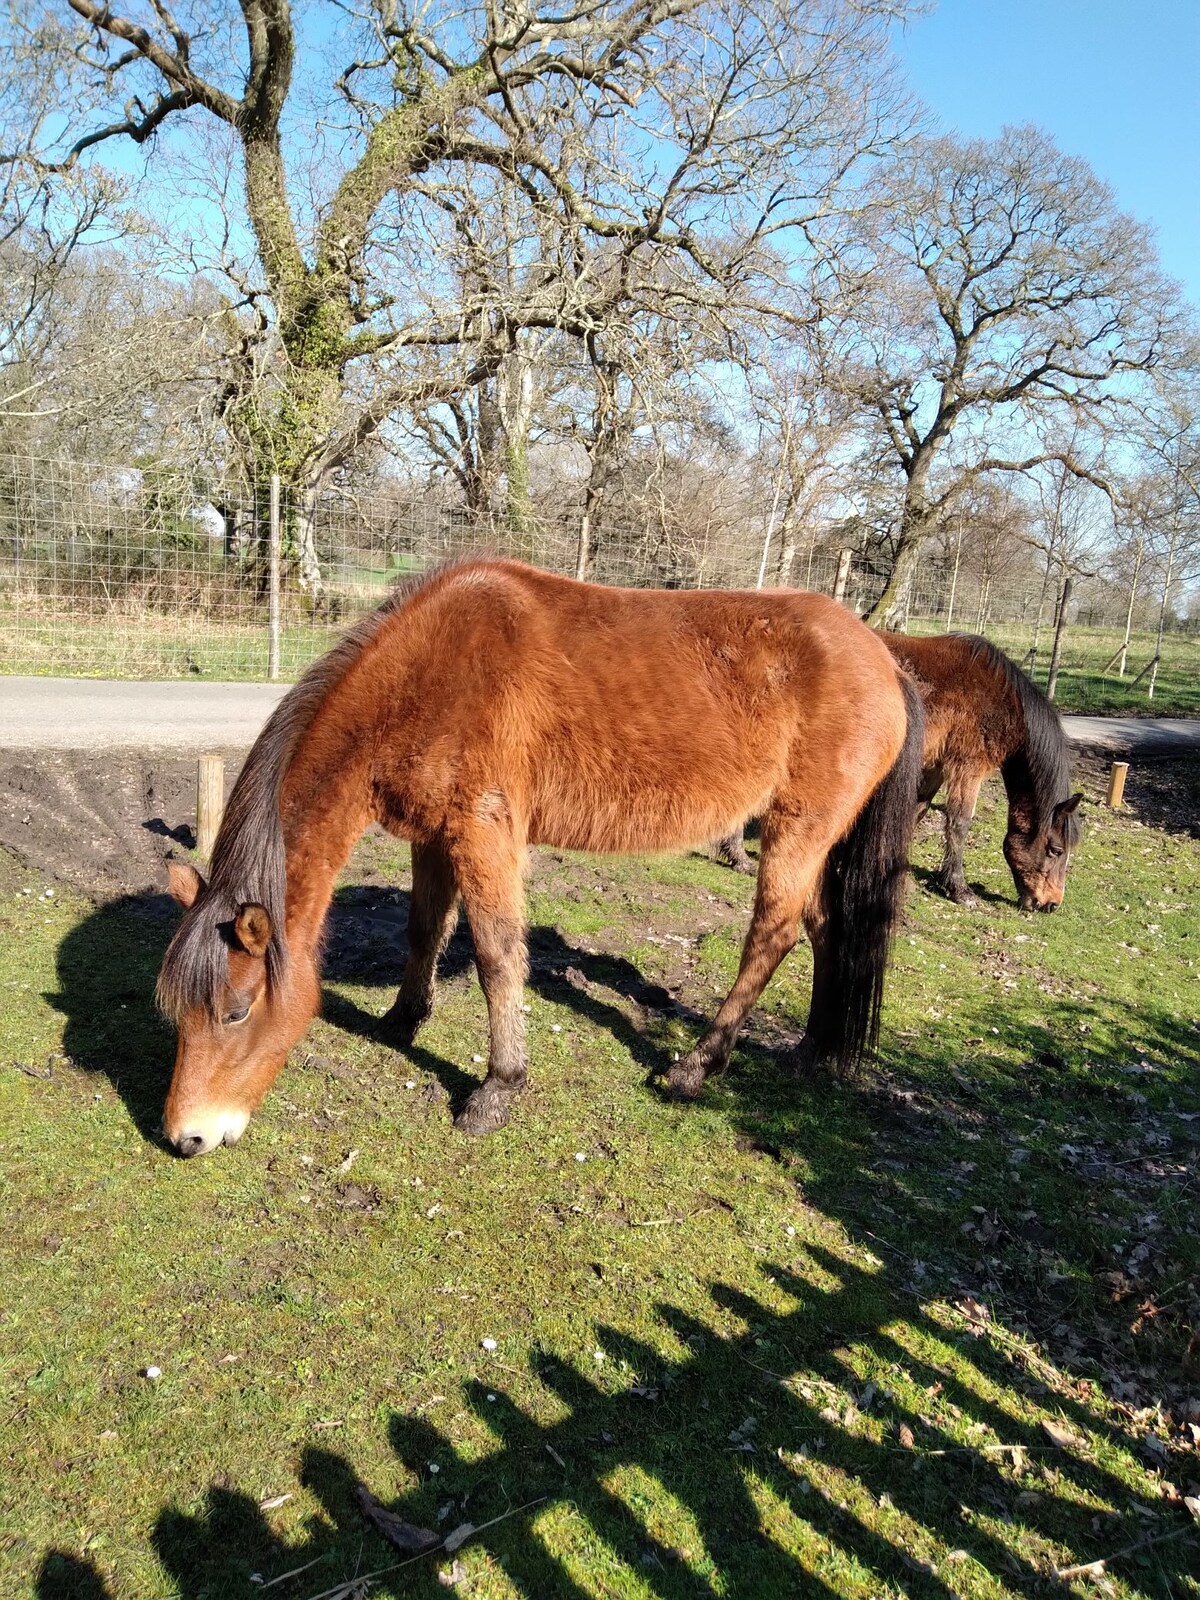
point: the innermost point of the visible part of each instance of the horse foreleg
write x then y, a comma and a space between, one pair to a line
962, 791
493, 897
785, 877
431, 915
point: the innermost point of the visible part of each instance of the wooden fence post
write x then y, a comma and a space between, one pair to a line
210, 801
1116, 784
273, 549
1060, 625
843, 575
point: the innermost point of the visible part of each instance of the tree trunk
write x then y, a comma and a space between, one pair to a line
1060, 626
787, 549
302, 506
914, 525
1137, 572
514, 399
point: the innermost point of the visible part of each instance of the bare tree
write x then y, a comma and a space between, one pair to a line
701, 128
1005, 299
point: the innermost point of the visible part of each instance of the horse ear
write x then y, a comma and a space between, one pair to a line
184, 882
252, 925
1065, 808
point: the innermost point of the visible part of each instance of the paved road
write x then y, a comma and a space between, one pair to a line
1142, 736
93, 714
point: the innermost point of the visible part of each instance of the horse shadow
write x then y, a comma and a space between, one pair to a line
928, 879
775, 1463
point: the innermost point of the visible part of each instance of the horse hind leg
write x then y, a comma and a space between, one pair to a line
962, 792
730, 849
489, 876
431, 916
789, 862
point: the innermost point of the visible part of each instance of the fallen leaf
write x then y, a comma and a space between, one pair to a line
1064, 1438
406, 1536
906, 1436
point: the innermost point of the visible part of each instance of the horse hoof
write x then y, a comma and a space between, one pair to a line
685, 1081
401, 1024
808, 1060
485, 1111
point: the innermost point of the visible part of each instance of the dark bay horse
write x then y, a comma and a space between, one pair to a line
490, 706
983, 714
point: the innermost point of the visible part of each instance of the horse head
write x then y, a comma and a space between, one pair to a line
235, 1025
1038, 856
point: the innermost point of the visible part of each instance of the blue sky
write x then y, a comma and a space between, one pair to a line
1113, 81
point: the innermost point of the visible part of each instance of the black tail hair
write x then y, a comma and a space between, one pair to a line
863, 895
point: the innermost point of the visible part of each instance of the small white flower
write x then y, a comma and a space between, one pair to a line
477, 1059
556, 1027
152, 1373
409, 1084
597, 1355
491, 1399
488, 1344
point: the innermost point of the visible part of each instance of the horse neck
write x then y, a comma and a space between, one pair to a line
325, 804
1016, 770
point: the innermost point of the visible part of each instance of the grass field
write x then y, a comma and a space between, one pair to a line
922, 1335
150, 646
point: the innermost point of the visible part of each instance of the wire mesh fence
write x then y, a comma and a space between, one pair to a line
123, 572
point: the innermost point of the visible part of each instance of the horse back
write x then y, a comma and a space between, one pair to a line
612, 719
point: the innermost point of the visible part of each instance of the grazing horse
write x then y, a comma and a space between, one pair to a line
490, 706
983, 713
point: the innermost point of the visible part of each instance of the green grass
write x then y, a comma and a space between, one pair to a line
801, 1338
150, 646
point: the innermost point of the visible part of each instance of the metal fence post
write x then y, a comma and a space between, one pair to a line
273, 548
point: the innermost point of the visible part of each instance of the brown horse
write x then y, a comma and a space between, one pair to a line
982, 713
489, 707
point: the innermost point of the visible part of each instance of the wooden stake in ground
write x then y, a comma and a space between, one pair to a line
210, 801
1116, 784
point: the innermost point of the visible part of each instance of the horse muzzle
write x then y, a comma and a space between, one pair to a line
200, 1134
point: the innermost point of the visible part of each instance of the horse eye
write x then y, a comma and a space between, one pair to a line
1054, 850
231, 1017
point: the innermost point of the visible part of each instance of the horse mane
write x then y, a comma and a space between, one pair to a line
1043, 762
249, 859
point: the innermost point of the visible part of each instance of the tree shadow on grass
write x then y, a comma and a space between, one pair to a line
751, 1460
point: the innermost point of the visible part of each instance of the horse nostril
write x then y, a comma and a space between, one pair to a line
190, 1144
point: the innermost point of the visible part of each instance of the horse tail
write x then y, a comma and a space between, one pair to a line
863, 888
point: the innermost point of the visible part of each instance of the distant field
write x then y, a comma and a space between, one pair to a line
152, 646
